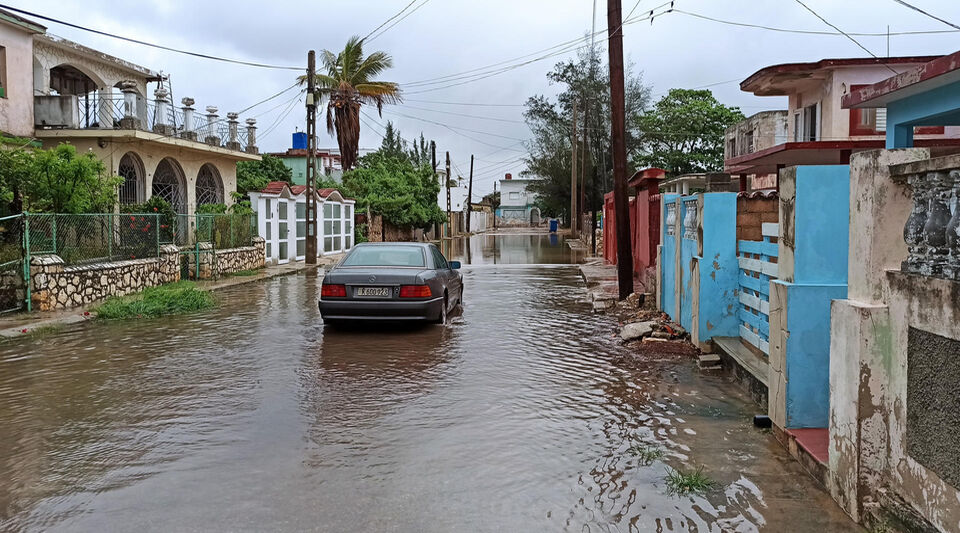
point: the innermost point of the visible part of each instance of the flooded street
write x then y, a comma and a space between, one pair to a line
253, 417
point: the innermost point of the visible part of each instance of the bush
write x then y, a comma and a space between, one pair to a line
173, 299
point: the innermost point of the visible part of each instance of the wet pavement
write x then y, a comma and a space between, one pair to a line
516, 417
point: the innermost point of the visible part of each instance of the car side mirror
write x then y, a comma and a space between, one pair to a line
454, 265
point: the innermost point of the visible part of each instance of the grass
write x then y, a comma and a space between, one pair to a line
645, 454
241, 273
173, 299
683, 483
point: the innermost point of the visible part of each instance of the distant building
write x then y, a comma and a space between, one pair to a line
818, 130
516, 202
328, 160
59, 91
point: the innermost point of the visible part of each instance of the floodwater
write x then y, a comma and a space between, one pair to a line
517, 417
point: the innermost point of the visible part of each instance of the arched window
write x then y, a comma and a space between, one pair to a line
168, 184
209, 186
131, 170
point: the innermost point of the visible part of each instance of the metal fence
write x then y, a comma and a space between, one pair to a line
105, 237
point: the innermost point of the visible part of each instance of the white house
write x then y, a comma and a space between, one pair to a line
282, 221
516, 202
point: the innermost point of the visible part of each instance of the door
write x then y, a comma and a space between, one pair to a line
283, 232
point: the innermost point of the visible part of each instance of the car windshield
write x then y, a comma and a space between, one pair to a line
399, 256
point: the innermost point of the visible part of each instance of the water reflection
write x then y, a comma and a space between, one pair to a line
516, 417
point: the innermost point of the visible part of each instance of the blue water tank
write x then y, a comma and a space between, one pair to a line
554, 225
300, 140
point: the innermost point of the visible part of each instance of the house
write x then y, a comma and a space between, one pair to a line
517, 203
328, 163
758, 132
282, 221
101, 104
818, 130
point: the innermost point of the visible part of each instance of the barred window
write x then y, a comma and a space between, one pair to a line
209, 188
168, 184
131, 171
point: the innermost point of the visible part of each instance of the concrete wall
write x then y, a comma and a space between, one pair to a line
16, 108
881, 407
716, 269
813, 258
667, 258
934, 107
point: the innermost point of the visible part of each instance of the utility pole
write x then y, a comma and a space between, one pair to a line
433, 163
449, 219
617, 135
582, 202
470, 194
573, 175
311, 241
494, 197
592, 174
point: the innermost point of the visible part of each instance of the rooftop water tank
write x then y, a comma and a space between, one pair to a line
300, 140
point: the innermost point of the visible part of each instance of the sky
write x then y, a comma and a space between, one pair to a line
438, 38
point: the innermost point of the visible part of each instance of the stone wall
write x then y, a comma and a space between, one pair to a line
12, 289
58, 286
239, 259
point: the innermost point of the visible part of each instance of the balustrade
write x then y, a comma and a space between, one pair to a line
931, 230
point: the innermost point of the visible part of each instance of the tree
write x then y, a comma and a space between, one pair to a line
420, 151
684, 132
349, 84
63, 182
16, 171
255, 175
392, 186
584, 82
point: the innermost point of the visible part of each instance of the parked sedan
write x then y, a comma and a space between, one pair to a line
391, 281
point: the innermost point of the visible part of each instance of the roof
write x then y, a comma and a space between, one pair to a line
77, 48
277, 188
17, 20
773, 80
303, 152
931, 75
646, 175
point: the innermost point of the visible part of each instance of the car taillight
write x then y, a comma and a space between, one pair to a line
333, 291
415, 291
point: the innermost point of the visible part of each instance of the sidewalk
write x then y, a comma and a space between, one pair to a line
15, 324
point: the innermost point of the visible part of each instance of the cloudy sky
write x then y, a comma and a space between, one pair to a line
441, 38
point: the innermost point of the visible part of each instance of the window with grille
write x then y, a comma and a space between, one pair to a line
130, 170
168, 185
209, 189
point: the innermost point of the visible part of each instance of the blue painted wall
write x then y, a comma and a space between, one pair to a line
667, 262
821, 220
719, 268
937, 107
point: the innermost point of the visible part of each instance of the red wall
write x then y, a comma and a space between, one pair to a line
644, 227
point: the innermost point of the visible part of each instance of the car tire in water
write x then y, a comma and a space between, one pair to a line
442, 319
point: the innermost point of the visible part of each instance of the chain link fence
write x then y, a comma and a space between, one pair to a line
107, 237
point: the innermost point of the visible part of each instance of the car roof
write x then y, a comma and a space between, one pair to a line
409, 244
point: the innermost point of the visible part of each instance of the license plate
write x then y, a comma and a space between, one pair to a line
378, 292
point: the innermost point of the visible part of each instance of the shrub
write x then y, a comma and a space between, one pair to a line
683, 483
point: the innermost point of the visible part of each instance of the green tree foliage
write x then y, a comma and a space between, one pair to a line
348, 84
393, 184
255, 175
684, 132
583, 81
420, 152
56, 181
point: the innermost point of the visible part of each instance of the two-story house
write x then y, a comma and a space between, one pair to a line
58, 91
817, 129
516, 202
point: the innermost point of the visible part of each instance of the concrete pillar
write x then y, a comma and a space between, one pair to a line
234, 135
686, 188
161, 117
130, 120
211, 134
188, 125
252, 136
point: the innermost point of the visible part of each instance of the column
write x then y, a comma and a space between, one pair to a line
130, 120
234, 137
161, 117
188, 126
212, 138
252, 136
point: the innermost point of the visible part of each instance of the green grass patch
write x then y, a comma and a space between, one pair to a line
683, 483
645, 454
173, 299
242, 273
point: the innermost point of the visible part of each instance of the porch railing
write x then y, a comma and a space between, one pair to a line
756, 271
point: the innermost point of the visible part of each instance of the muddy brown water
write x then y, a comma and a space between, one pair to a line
254, 418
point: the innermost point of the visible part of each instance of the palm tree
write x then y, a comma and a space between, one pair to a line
349, 84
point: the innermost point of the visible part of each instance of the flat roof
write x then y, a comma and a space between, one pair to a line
931, 75
765, 81
821, 153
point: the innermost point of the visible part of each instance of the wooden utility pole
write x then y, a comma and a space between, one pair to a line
494, 198
573, 175
449, 219
470, 194
618, 137
433, 163
311, 240
584, 159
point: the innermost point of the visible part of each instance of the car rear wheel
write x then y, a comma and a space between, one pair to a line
442, 319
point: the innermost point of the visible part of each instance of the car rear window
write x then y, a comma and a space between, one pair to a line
400, 256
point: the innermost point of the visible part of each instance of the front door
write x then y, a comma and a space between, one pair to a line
283, 230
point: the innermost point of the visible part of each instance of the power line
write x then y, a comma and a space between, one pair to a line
464, 114
388, 20
808, 32
145, 43
463, 103
934, 17
385, 30
856, 42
